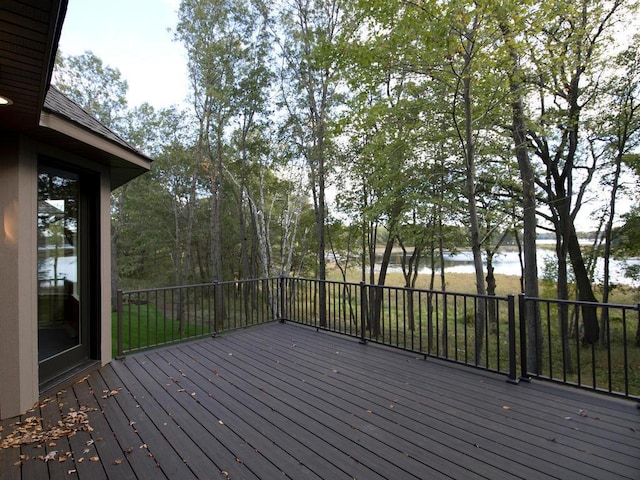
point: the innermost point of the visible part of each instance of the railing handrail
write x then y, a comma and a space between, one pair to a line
396, 287
193, 285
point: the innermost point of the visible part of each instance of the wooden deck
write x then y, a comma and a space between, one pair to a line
284, 401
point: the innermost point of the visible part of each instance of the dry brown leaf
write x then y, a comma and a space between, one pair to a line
94, 459
117, 461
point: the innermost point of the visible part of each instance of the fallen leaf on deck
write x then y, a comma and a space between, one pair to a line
506, 407
32, 430
583, 413
94, 459
50, 456
71, 472
117, 461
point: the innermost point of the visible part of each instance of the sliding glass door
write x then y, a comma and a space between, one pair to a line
64, 271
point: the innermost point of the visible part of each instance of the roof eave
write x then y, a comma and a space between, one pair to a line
124, 164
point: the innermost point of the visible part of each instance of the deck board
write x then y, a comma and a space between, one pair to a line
487, 422
286, 401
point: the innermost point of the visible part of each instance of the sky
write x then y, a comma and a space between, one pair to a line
132, 36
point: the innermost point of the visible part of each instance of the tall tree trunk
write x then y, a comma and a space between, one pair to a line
527, 178
376, 322
474, 223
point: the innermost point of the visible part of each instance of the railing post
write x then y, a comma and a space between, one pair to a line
363, 306
524, 371
637, 343
216, 308
513, 374
282, 299
120, 323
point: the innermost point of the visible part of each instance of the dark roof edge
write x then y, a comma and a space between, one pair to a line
59, 104
54, 33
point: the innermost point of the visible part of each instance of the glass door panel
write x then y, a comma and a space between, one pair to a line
60, 329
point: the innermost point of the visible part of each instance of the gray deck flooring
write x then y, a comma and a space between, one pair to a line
284, 401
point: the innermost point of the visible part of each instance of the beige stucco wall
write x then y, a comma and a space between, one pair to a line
18, 269
18, 283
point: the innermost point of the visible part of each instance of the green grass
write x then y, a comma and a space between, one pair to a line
146, 326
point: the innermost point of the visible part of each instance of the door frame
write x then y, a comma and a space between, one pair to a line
59, 365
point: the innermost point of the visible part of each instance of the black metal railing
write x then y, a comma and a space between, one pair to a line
554, 345
465, 328
151, 318
518, 336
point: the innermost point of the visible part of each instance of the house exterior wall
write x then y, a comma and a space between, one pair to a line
105, 269
19, 383
18, 283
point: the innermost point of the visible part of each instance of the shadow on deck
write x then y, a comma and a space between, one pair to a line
284, 401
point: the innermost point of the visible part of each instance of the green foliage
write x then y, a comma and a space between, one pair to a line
402, 108
98, 88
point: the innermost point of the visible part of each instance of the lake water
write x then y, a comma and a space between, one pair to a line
508, 263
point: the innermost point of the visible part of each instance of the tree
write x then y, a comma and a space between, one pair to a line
97, 88
567, 54
309, 81
219, 37
618, 136
511, 22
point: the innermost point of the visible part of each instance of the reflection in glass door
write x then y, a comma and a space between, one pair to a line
61, 335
